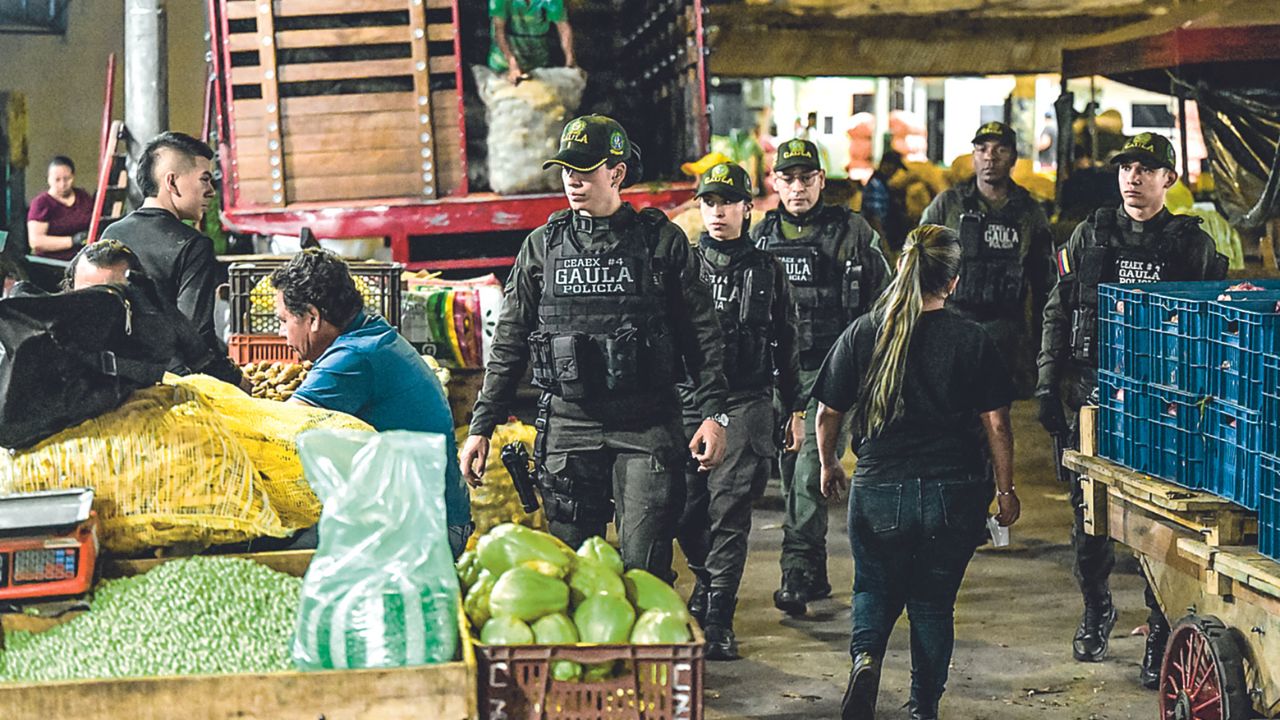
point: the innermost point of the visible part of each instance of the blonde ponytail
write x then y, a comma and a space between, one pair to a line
930, 261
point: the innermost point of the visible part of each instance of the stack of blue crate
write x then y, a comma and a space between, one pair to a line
1189, 389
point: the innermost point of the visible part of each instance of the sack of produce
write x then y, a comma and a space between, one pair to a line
166, 469
525, 121
496, 501
269, 432
381, 590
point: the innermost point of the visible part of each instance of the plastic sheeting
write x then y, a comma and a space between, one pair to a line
1242, 132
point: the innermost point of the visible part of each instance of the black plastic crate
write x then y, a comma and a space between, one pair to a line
253, 298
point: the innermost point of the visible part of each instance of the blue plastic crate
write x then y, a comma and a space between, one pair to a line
1233, 436
1269, 507
1150, 331
1121, 330
1123, 421
1240, 334
1271, 404
1177, 451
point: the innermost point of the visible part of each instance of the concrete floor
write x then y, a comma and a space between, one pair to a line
1017, 611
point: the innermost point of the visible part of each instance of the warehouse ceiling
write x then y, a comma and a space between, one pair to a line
768, 38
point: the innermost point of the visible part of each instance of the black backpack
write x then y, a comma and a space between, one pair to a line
67, 358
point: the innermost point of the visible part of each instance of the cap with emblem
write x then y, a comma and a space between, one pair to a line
589, 142
1149, 149
728, 180
996, 131
797, 154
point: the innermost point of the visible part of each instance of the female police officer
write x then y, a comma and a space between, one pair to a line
922, 384
753, 302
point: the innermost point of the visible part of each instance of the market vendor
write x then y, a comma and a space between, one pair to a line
362, 366
155, 320
519, 29
58, 220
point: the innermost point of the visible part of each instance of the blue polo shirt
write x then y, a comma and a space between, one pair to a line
373, 373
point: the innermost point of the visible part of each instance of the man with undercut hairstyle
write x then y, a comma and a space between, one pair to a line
175, 175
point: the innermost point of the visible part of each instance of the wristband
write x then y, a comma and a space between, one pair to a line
1002, 493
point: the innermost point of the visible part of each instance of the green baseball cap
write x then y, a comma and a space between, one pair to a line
1150, 149
589, 142
797, 153
728, 180
996, 131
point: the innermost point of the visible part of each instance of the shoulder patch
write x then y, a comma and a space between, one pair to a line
1064, 262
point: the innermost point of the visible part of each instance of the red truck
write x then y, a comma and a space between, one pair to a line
350, 117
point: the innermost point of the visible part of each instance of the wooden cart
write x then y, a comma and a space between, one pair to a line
446, 691
1222, 598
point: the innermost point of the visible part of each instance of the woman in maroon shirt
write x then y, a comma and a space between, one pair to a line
58, 221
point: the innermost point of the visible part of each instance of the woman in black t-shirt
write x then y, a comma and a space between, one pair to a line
924, 387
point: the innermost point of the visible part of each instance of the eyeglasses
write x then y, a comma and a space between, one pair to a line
806, 179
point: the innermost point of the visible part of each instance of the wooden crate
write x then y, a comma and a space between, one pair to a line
447, 690
333, 101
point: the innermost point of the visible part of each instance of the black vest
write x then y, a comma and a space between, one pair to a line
603, 325
742, 288
1105, 258
828, 284
991, 277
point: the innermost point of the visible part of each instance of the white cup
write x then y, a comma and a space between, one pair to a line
999, 533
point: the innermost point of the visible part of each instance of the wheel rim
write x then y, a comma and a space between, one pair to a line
1202, 676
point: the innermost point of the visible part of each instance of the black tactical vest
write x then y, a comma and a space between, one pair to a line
603, 327
991, 269
742, 289
1106, 259
828, 284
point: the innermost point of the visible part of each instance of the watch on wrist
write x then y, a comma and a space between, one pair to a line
720, 419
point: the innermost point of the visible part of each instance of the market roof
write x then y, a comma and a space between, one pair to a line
764, 38
1238, 33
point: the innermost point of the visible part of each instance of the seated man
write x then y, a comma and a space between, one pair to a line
156, 321
363, 367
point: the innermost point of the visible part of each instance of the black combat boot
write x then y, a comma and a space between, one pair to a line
817, 586
698, 601
790, 598
922, 710
1099, 619
864, 685
1157, 639
721, 644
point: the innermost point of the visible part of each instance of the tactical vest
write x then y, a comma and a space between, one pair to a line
991, 277
1106, 259
742, 289
828, 285
603, 326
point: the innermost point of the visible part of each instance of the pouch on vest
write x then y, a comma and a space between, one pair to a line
568, 356
851, 291
757, 297
970, 234
544, 373
621, 350
1084, 328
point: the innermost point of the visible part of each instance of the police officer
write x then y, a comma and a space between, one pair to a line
753, 301
1007, 246
832, 258
606, 303
1138, 242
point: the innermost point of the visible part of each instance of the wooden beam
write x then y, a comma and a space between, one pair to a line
306, 72
286, 8
424, 159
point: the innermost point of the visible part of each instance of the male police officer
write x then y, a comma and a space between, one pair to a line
832, 258
1007, 245
1138, 242
753, 301
607, 303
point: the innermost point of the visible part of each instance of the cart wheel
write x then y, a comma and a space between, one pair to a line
1202, 677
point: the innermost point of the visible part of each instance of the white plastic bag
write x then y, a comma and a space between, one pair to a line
381, 590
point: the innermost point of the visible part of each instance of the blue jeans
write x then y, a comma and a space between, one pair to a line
912, 540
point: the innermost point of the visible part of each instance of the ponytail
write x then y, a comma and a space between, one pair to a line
930, 261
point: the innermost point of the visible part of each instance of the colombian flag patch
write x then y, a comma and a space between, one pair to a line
1064, 263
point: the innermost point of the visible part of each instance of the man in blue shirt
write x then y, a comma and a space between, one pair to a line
362, 366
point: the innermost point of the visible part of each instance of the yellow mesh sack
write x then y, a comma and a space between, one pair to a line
165, 470
268, 431
496, 501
